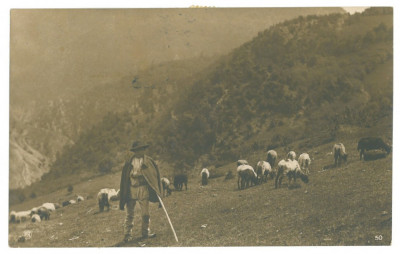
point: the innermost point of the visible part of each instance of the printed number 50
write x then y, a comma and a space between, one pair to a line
378, 238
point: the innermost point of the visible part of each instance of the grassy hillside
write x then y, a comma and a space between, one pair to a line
299, 79
348, 205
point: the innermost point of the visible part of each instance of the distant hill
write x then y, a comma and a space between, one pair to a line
81, 64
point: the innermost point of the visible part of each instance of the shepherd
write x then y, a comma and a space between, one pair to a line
140, 183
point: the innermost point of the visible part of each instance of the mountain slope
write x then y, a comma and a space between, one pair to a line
295, 81
299, 79
77, 81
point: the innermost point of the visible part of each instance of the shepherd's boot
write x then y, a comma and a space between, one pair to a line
146, 228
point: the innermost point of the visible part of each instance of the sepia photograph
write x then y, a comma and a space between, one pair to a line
200, 126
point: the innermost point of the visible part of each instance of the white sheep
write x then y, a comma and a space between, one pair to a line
72, 201
205, 174
79, 198
339, 154
291, 169
291, 155
19, 217
35, 218
50, 206
35, 210
105, 196
246, 175
165, 185
305, 161
264, 170
113, 195
242, 162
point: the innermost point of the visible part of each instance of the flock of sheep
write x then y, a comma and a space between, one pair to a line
39, 213
43, 212
289, 167
247, 176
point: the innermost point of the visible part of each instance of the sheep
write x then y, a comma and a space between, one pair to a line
339, 154
180, 180
263, 170
35, 218
205, 174
12, 217
165, 185
44, 213
65, 203
272, 157
79, 198
291, 169
57, 205
113, 195
35, 210
72, 201
371, 143
105, 196
246, 176
291, 155
18, 217
305, 161
49, 206
242, 162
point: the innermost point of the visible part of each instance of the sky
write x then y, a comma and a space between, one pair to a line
353, 10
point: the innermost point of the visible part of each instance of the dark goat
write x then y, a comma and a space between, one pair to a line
372, 143
179, 181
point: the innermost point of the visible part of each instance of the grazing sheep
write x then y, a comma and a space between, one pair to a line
339, 154
291, 169
12, 217
65, 203
49, 206
205, 174
372, 143
291, 155
102, 198
18, 217
305, 161
44, 213
35, 210
242, 162
79, 198
263, 170
113, 195
72, 201
35, 218
180, 180
165, 185
246, 176
105, 196
272, 156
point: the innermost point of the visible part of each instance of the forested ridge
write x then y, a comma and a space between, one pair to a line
298, 80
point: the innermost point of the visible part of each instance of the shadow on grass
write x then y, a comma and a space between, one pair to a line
376, 155
294, 186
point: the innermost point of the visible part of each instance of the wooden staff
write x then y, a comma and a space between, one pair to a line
170, 223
